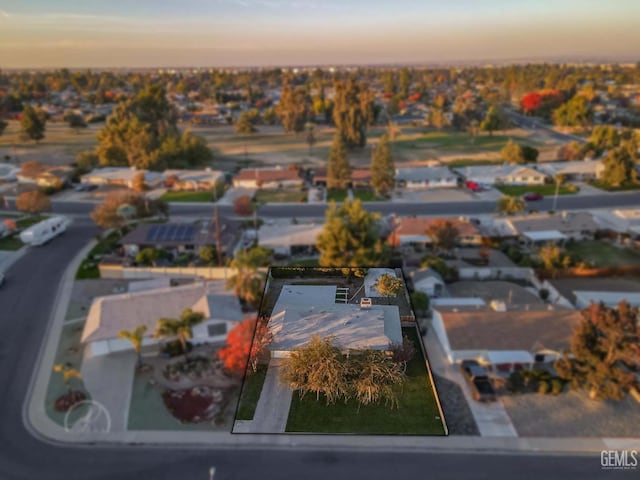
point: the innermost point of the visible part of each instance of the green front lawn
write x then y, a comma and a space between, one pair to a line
88, 269
417, 413
11, 242
280, 196
603, 254
188, 196
622, 188
470, 162
251, 390
364, 194
548, 190
30, 220
304, 262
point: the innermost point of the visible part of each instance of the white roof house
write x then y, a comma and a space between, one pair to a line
370, 280
304, 311
120, 176
282, 238
621, 220
507, 174
610, 299
579, 170
110, 314
196, 179
426, 177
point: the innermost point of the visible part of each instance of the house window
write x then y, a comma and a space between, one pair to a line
217, 329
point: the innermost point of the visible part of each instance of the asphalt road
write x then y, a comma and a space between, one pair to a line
26, 301
302, 210
535, 124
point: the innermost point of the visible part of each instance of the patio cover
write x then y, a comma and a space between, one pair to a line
504, 356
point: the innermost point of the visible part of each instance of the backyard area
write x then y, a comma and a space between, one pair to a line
417, 413
604, 254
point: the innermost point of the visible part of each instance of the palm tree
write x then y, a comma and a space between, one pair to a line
135, 336
248, 282
179, 327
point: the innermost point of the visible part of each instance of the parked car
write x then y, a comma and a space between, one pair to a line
532, 197
478, 380
85, 187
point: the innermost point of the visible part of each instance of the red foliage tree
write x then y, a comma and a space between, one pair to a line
530, 102
243, 345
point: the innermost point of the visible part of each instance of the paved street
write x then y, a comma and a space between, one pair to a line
26, 302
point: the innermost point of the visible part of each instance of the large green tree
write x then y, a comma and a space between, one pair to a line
620, 165
33, 123
350, 112
383, 172
351, 238
294, 107
338, 168
605, 352
493, 120
508, 205
575, 113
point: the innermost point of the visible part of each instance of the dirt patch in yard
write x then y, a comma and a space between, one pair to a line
572, 414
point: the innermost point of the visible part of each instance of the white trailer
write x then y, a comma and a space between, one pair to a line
44, 231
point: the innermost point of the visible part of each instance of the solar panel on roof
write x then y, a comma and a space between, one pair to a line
152, 233
179, 233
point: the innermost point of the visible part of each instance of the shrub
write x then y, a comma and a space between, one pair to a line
516, 382
544, 294
174, 348
557, 386
544, 387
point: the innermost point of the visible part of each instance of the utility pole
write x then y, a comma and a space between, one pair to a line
217, 222
555, 197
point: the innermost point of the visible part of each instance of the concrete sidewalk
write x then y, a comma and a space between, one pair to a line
492, 419
272, 410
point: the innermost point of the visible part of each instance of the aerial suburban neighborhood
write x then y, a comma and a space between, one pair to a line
355, 264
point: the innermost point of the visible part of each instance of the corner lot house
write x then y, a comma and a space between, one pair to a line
506, 174
303, 311
110, 314
504, 340
267, 178
121, 176
426, 177
413, 231
182, 237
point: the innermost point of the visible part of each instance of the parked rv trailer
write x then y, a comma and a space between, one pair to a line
44, 231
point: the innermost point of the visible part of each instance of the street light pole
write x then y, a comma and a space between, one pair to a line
555, 197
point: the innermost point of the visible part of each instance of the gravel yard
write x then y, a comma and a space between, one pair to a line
456, 410
572, 414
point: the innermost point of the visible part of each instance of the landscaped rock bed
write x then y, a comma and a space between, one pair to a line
68, 400
456, 411
195, 405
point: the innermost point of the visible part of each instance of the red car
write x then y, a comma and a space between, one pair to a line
532, 197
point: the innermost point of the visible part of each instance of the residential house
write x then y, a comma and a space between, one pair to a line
504, 340
192, 179
360, 177
183, 237
583, 170
584, 298
505, 174
535, 229
304, 311
414, 231
277, 177
622, 220
290, 239
48, 177
111, 314
121, 176
426, 177
428, 281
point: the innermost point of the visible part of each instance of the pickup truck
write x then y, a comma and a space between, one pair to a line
478, 380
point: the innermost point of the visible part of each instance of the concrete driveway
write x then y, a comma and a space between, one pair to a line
492, 418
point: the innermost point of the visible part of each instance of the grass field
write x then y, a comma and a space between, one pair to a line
364, 194
280, 196
547, 190
622, 188
251, 390
417, 414
604, 254
188, 196
11, 242
466, 162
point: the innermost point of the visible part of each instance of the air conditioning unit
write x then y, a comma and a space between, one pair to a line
365, 302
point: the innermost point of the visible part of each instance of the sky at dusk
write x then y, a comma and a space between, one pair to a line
160, 33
